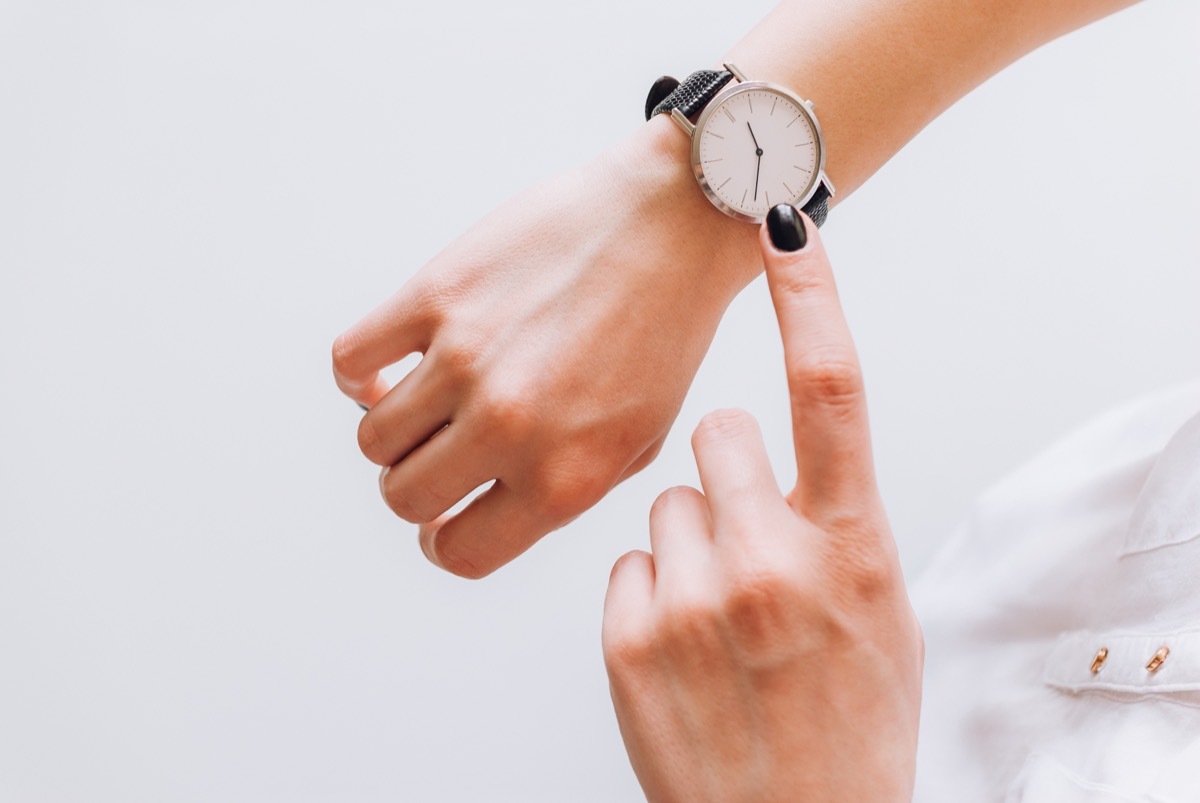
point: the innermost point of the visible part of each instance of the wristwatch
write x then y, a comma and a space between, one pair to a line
754, 144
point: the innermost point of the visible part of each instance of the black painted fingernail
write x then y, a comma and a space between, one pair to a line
364, 408
786, 228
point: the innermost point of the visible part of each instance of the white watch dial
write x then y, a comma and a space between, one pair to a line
757, 148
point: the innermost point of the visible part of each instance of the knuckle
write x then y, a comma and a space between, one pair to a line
878, 573
452, 559
762, 590
412, 503
459, 363
868, 568
803, 278
872, 576
763, 608
567, 492
397, 502
831, 377
693, 623
627, 647
510, 414
723, 425
370, 441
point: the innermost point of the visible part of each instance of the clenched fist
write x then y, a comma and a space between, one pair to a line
560, 335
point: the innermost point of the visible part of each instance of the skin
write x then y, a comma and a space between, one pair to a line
561, 333
766, 650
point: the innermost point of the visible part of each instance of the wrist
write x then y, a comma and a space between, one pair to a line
722, 252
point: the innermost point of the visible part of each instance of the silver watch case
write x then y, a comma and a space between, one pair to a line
742, 85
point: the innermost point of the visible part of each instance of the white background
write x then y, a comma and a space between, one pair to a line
202, 596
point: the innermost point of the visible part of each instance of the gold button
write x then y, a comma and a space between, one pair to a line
1158, 659
1098, 661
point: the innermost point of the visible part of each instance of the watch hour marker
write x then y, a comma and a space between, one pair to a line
744, 194
773, 105
802, 144
712, 161
750, 100
713, 134
768, 198
789, 189
789, 125
732, 119
723, 183
805, 169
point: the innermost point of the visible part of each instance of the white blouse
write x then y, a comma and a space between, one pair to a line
1062, 623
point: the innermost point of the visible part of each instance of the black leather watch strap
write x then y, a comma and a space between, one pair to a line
689, 97
817, 207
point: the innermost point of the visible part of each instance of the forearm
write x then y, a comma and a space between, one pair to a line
878, 71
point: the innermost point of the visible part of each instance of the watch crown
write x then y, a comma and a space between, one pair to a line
809, 104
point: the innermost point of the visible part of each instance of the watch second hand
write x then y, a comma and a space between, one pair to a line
759, 153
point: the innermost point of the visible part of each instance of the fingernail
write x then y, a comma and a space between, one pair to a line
786, 228
363, 407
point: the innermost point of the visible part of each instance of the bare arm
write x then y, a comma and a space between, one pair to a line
881, 70
561, 332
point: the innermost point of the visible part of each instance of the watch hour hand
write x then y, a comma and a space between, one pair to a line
759, 153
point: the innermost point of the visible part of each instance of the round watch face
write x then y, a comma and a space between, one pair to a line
755, 146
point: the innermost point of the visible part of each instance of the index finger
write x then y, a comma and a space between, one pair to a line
389, 333
829, 409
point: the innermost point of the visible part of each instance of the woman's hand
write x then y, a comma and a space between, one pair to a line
767, 650
560, 335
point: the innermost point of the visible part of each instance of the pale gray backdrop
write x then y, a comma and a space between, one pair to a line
202, 598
